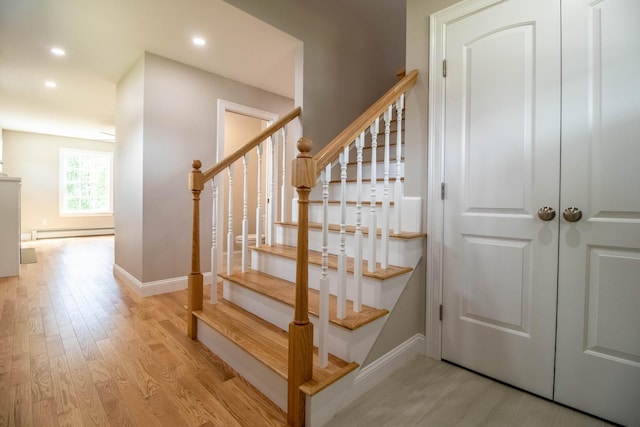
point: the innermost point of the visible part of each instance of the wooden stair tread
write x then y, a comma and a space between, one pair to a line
407, 235
316, 259
284, 291
268, 343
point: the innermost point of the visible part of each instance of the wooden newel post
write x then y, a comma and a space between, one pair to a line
303, 177
196, 185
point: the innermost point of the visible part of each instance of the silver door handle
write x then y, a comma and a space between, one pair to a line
572, 214
546, 213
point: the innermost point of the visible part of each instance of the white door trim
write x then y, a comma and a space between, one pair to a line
435, 220
223, 107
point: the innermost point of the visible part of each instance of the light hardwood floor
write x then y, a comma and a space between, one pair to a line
78, 348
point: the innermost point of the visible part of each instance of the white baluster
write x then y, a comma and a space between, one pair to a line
373, 223
397, 191
323, 309
271, 215
230, 223
214, 241
342, 256
384, 257
245, 213
283, 189
259, 201
357, 261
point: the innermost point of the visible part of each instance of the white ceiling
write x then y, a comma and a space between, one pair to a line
104, 38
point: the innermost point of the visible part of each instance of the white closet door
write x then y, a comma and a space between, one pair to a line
598, 347
502, 163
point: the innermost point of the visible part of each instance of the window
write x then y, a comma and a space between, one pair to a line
85, 184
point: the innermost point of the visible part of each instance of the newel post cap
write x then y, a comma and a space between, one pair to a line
303, 167
195, 176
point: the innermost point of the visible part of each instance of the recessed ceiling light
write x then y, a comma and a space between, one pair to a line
199, 41
50, 84
58, 51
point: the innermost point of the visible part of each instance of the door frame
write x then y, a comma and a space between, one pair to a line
233, 107
438, 23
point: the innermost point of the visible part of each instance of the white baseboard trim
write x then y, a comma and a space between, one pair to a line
384, 366
156, 287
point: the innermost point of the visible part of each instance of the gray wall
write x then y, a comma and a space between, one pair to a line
128, 170
178, 125
417, 101
36, 159
408, 317
405, 320
352, 51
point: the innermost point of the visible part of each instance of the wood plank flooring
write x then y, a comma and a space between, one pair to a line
79, 349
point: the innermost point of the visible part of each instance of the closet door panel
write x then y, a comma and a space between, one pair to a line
598, 344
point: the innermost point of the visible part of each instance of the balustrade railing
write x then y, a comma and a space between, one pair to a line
197, 180
336, 154
365, 128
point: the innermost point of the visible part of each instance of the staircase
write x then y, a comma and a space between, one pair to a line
247, 320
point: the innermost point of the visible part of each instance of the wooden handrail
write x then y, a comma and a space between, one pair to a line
270, 130
347, 136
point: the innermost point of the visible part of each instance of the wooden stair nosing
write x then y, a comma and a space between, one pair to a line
316, 259
405, 235
268, 344
284, 291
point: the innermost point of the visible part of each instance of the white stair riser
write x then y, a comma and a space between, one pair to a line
315, 213
346, 344
366, 170
255, 372
323, 406
375, 293
402, 252
335, 190
320, 407
367, 154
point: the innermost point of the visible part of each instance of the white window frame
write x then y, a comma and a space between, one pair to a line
64, 152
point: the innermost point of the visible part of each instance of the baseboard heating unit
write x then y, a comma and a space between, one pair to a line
70, 232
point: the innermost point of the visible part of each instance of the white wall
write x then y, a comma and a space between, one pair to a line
178, 126
36, 159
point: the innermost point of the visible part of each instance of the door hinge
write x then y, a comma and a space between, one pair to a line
442, 191
444, 68
440, 315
